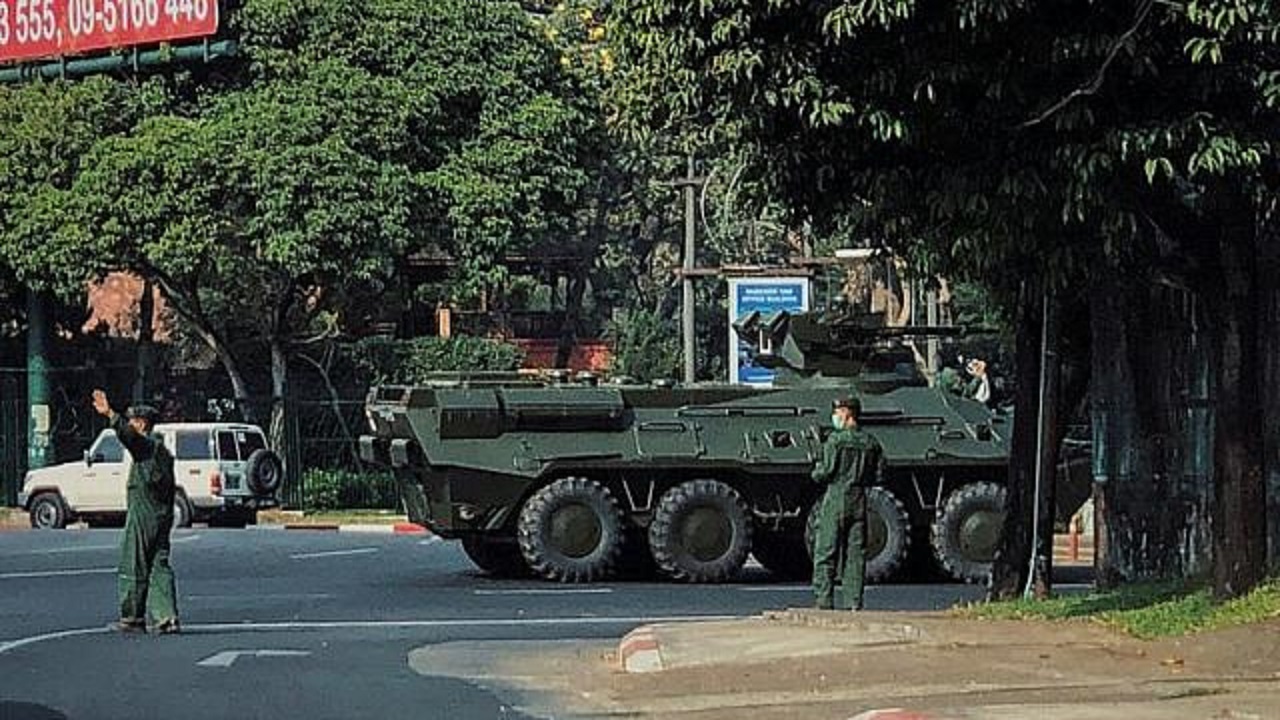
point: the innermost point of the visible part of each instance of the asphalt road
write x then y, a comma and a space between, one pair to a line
298, 624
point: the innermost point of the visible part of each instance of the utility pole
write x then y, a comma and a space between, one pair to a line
39, 421
932, 343
690, 250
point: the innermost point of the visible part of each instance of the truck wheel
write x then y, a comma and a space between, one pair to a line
701, 532
783, 553
48, 512
264, 472
182, 510
888, 534
967, 531
500, 557
571, 531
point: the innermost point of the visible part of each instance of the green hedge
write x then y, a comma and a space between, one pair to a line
408, 362
344, 490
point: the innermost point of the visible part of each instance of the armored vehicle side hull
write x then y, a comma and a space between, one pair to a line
578, 483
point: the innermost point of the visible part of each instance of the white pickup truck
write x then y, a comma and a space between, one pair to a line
224, 471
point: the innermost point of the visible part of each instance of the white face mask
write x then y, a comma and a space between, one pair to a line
837, 422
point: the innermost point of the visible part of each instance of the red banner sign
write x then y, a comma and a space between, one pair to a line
31, 29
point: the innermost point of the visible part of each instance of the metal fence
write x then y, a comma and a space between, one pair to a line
318, 434
13, 440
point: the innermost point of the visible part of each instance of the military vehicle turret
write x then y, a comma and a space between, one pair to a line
571, 479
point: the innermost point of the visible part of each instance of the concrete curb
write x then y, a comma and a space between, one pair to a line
640, 651
396, 528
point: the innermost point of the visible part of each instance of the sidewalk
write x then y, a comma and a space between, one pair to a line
823, 664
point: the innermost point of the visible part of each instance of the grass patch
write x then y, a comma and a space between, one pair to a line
1144, 611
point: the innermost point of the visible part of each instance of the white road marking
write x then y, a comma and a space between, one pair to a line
334, 553
59, 551
256, 596
298, 626
227, 658
775, 588
57, 573
88, 548
546, 591
431, 540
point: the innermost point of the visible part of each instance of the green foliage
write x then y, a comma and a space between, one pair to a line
1145, 611
646, 346
264, 197
343, 490
1002, 140
409, 362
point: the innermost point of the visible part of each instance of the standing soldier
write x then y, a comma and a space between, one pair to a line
145, 573
850, 462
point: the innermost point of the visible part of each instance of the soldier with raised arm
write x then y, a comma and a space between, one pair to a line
146, 579
850, 463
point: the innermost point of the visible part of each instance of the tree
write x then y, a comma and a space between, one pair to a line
260, 198
1015, 143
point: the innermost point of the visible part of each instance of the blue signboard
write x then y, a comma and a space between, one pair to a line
765, 295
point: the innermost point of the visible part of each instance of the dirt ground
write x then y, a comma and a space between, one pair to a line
962, 664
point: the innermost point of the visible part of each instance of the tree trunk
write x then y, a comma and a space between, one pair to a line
1240, 498
1150, 425
1269, 337
1048, 391
146, 347
279, 396
572, 313
187, 307
1010, 570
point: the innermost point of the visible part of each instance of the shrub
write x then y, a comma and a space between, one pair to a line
344, 489
646, 346
408, 362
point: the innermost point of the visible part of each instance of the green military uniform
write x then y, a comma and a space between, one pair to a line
850, 462
951, 381
146, 579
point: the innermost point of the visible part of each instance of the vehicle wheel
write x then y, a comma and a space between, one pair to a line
701, 532
967, 531
498, 557
888, 534
571, 531
264, 472
182, 510
48, 512
783, 553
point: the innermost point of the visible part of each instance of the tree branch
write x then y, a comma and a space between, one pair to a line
1094, 85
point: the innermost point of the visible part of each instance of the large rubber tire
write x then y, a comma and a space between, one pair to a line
264, 472
783, 553
48, 512
701, 532
967, 530
498, 557
183, 512
888, 534
571, 531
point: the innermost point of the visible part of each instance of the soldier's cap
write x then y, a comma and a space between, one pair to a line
850, 403
142, 412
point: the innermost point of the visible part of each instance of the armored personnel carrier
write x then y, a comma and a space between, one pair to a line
575, 480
